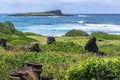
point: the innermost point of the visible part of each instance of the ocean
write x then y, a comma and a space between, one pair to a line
59, 25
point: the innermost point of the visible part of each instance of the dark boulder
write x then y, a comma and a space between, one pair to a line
35, 48
50, 40
91, 45
3, 42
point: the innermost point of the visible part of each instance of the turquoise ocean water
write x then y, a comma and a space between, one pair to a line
59, 25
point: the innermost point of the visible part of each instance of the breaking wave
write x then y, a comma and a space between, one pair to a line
61, 29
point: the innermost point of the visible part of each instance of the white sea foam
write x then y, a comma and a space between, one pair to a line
81, 22
61, 29
82, 15
53, 16
107, 27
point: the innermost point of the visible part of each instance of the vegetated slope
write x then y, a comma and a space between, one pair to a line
58, 58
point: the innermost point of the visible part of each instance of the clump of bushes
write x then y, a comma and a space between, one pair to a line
103, 35
8, 28
4, 30
75, 32
98, 33
95, 69
62, 46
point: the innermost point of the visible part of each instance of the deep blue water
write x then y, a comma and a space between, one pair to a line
59, 25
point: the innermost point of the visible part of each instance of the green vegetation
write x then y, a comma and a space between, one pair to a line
62, 46
4, 30
102, 35
96, 69
110, 49
57, 58
76, 33
31, 34
8, 28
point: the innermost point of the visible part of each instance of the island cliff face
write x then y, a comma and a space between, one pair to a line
49, 13
56, 12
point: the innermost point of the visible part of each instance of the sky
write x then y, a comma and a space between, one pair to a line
66, 6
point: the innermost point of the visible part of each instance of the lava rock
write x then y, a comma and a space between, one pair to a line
35, 48
3, 42
25, 73
91, 45
50, 40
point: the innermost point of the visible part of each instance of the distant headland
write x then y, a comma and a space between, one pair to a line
48, 13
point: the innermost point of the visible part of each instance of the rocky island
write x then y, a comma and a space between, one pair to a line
48, 13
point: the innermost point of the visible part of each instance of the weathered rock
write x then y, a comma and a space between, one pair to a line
35, 48
3, 42
91, 45
50, 40
14, 75
25, 73
31, 71
37, 68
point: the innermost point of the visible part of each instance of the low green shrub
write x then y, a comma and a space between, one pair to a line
102, 35
62, 46
110, 49
75, 32
20, 40
95, 69
98, 33
4, 29
31, 34
8, 28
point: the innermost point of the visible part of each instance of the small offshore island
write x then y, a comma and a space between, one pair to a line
48, 13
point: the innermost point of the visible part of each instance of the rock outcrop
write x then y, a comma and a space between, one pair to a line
32, 71
35, 48
91, 45
50, 40
3, 42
